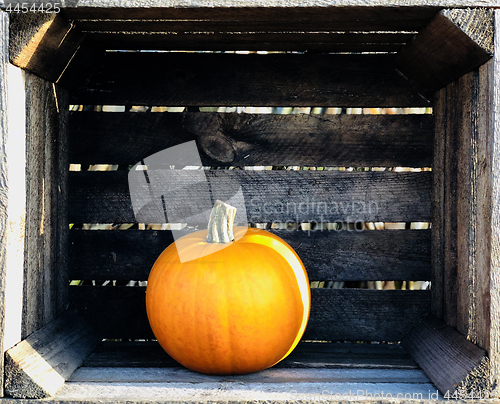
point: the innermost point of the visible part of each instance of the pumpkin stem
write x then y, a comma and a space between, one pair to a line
220, 225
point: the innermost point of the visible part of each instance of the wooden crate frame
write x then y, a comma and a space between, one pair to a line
453, 52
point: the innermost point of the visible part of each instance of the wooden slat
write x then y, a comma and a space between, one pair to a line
306, 355
362, 314
207, 79
464, 183
270, 196
282, 22
253, 139
489, 198
327, 255
452, 123
452, 44
268, 376
4, 180
254, 41
467, 210
43, 43
303, 18
336, 314
451, 361
45, 282
39, 365
438, 204
305, 393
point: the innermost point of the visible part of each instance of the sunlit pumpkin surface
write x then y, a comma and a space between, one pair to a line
232, 309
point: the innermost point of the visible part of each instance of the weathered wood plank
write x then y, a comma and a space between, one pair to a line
253, 139
39, 365
4, 181
259, 393
270, 196
327, 255
467, 206
452, 44
451, 361
45, 283
306, 355
490, 244
452, 122
359, 314
300, 16
268, 20
438, 208
464, 179
207, 79
272, 375
251, 9
365, 315
43, 43
15, 191
253, 41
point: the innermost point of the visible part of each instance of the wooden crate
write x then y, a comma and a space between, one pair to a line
346, 64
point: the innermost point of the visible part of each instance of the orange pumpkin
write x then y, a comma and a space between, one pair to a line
229, 308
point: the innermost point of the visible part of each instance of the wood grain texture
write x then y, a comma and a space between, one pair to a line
253, 41
43, 43
467, 206
360, 314
60, 188
452, 122
255, 392
270, 20
150, 354
39, 365
484, 271
272, 375
451, 361
452, 44
126, 8
327, 255
438, 209
270, 196
463, 190
491, 92
207, 79
4, 181
253, 139
45, 285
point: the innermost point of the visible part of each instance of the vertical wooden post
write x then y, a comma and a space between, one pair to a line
4, 59
45, 282
492, 249
34, 184
466, 207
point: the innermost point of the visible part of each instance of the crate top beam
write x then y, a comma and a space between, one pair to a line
274, 3
432, 46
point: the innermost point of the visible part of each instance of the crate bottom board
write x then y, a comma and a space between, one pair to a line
142, 371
